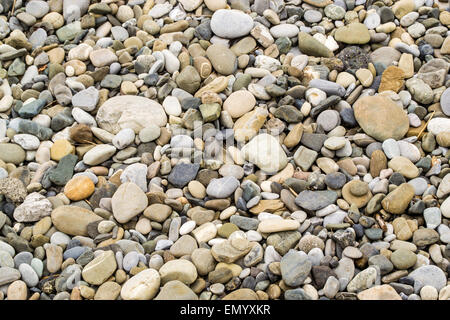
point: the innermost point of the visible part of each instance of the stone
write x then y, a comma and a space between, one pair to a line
182, 173
370, 109
100, 153
398, 200
363, 280
128, 201
102, 57
222, 187
231, 24
73, 220
238, 103
222, 59
79, 188
428, 275
142, 286
403, 166
295, 267
100, 269
315, 200
11, 153
182, 270
265, 151
392, 79
130, 112
403, 259
86, 99
176, 290
312, 47
381, 292
353, 33
34, 208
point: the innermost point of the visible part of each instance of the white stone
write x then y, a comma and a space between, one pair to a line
265, 151
34, 208
123, 138
172, 106
133, 112
231, 24
100, 153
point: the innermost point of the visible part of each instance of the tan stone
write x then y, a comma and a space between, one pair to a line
359, 201
100, 269
398, 200
378, 162
381, 118
392, 79
239, 103
267, 206
247, 126
406, 63
404, 166
60, 149
73, 220
79, 188
383, 292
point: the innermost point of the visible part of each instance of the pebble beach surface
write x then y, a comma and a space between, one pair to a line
214, 149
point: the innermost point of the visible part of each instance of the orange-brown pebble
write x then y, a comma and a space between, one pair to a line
79, 188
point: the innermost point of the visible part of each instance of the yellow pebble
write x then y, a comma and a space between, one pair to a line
60, 149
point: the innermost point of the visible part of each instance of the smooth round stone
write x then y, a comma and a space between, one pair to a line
143, 286
231, 24
335, 180
128, 201
284, 30
445, 208
130, 260
123, 138
438, 125
391, 148
403, 259
369, 113
231, 170
37, 8
149, 133
172, 106
335, 143
419, 185
445, 102
428, 275
334, 12
328, 119
132, 112
182, 270
222, 59
372, 20
98, 154
238, 103
222, 187
6, 260
432, 217
312, 16
409, 151
265, 151
86, 99
59, 238
17, 290
28, 274
27, 141
197, 189
74, 252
